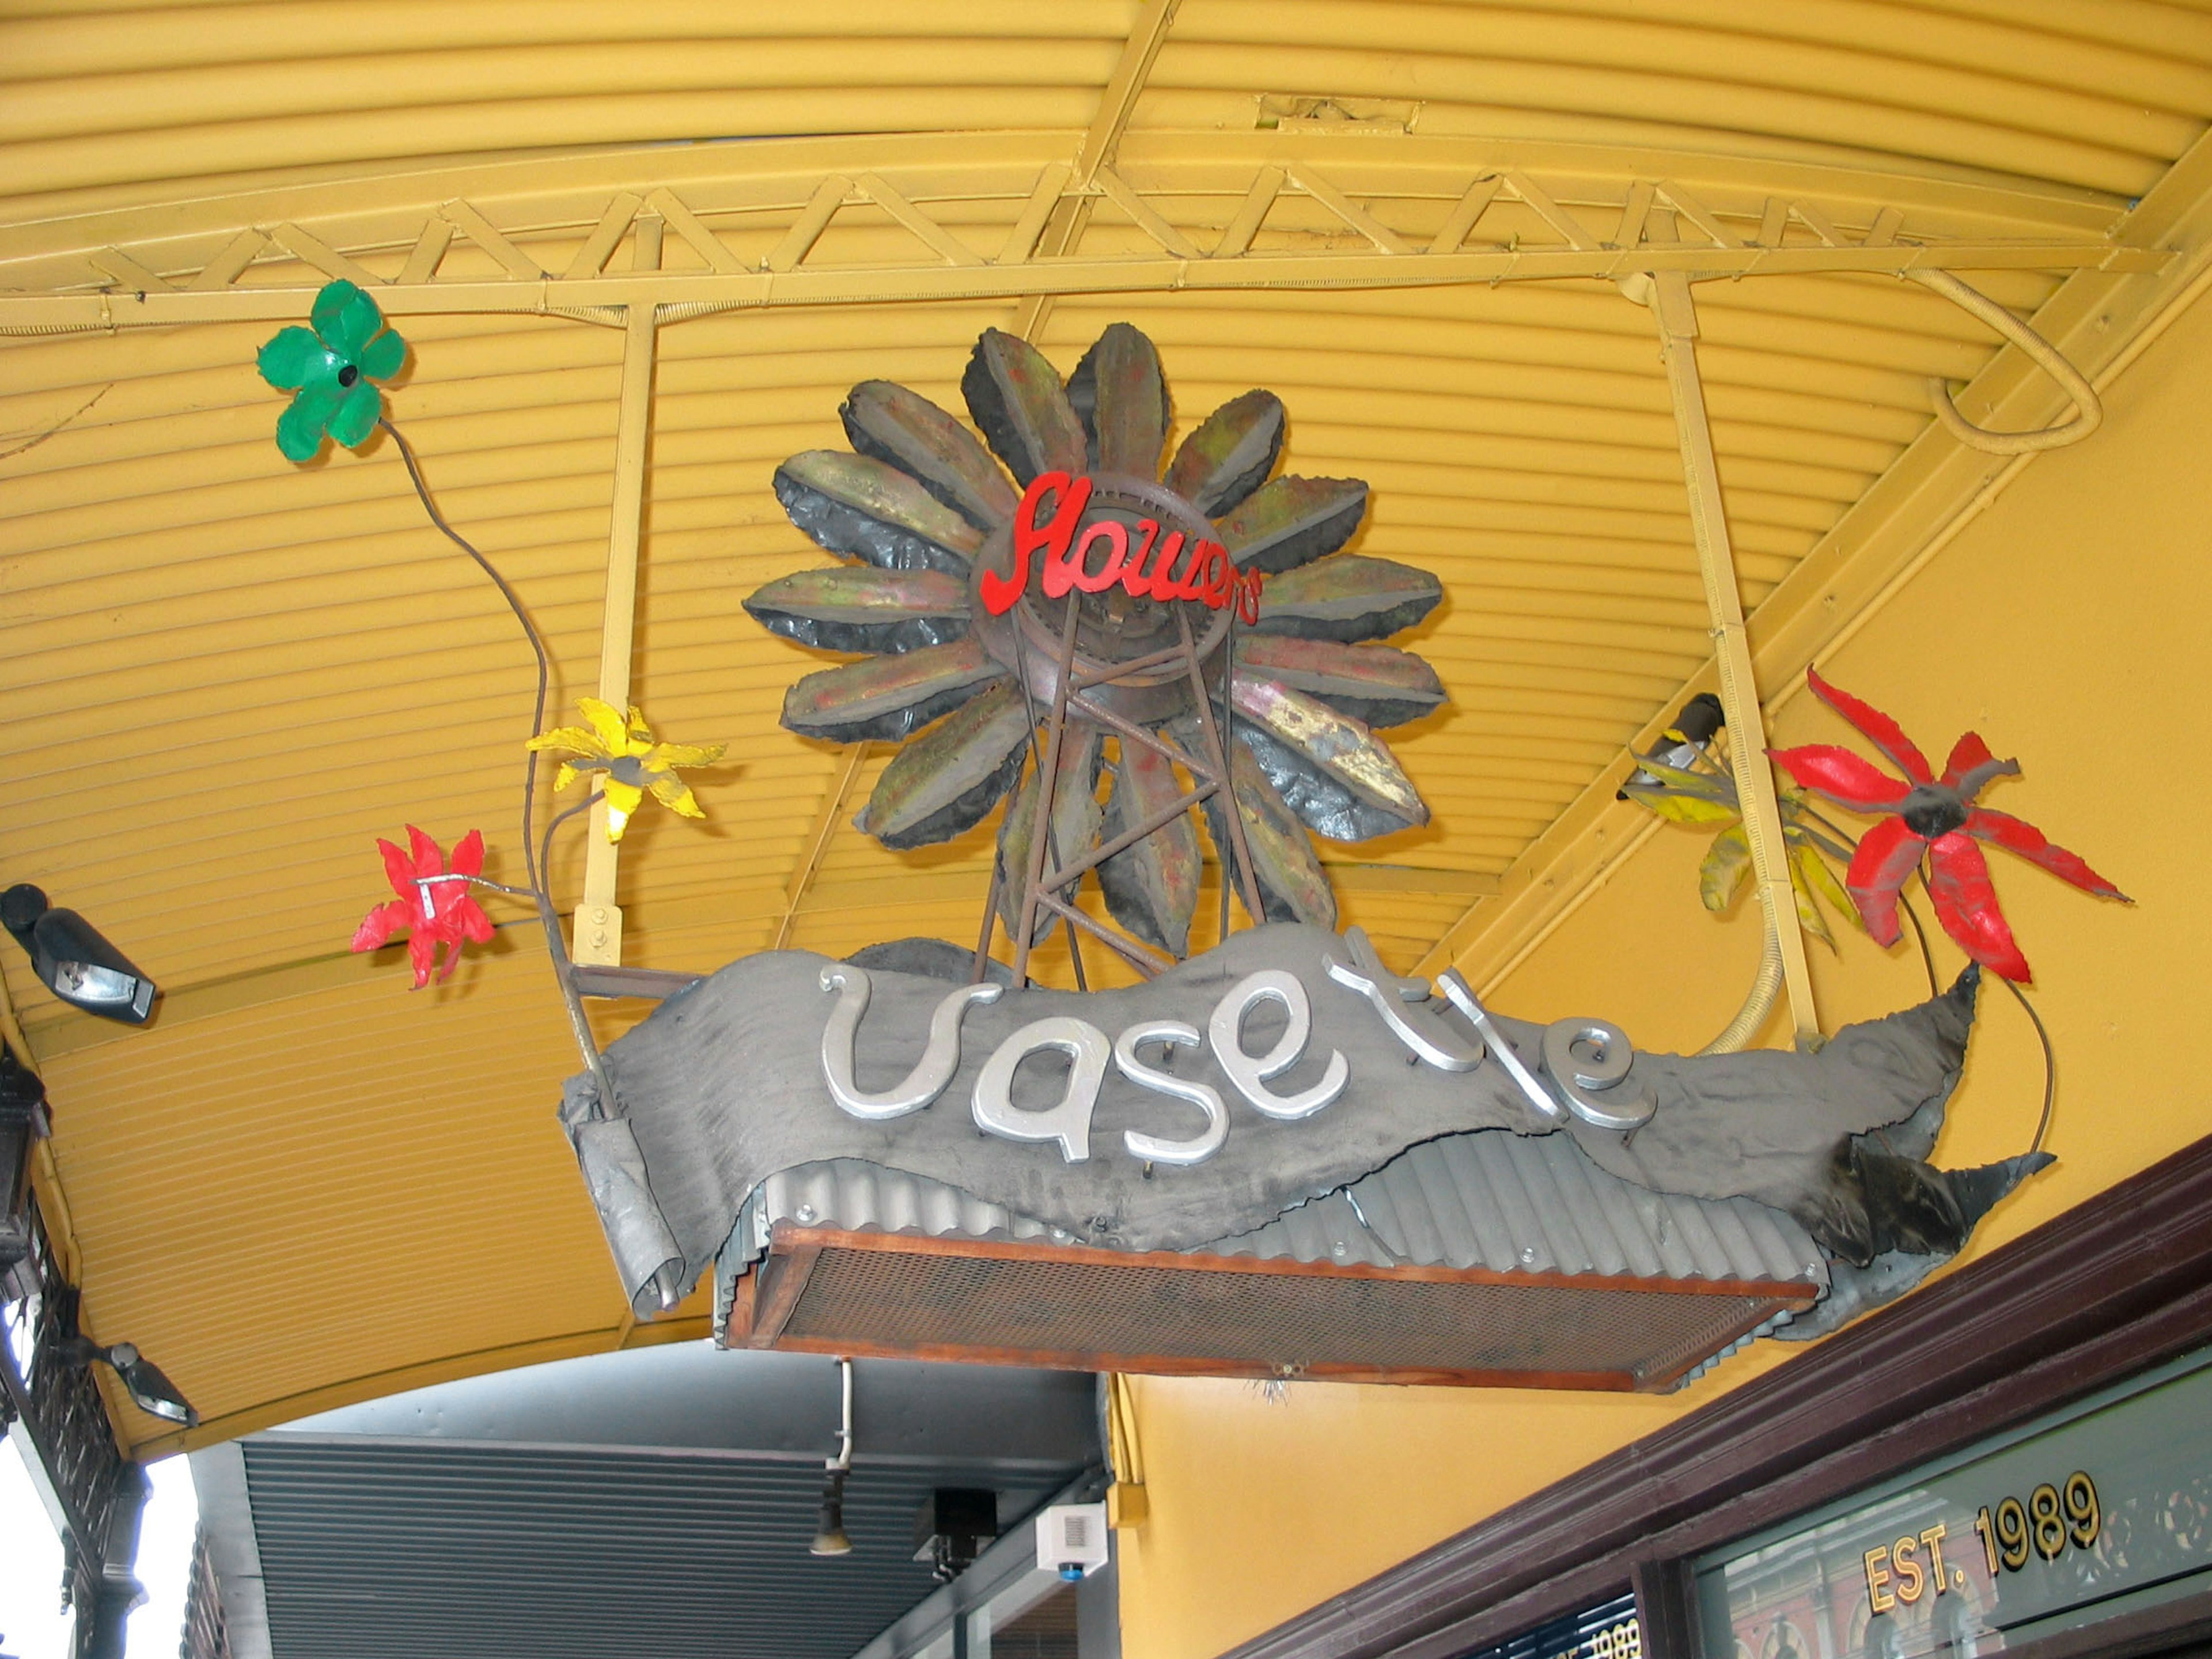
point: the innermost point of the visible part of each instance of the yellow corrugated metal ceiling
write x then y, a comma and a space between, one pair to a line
225, 675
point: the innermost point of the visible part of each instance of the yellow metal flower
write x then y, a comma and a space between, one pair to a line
629, 760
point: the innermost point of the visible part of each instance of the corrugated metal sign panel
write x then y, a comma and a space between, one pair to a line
1506, 1202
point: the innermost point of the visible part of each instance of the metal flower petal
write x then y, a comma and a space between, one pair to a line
1888, 855
436, 908
2016, 835
1966, 905
1139, 563
1935, 819
334, 367
1878, 728
622, 751
1847, 779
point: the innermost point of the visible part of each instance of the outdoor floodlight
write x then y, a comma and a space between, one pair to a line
151, 1390
73, 961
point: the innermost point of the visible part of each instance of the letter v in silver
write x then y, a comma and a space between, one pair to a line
931, 1073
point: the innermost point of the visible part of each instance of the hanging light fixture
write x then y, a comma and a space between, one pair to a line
829, 1537
1685, 738
148, 1386
73, 959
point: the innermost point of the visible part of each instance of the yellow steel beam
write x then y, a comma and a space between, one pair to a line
564, 194
2100, 321
847, 285
1064, 229
597, 939
1668, 296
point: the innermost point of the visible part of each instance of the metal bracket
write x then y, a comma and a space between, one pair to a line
1667, 293
597, 936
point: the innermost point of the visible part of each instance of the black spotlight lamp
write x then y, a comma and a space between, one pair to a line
954, 1524
74, 961
1700, 720
148, 1386
829, 1537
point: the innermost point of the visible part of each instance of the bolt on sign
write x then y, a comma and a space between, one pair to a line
2101, 1509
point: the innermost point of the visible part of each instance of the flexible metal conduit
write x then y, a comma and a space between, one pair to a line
2090, 411
1766, 986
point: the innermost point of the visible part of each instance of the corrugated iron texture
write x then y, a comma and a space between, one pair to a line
1534, 1204
851, 1192
1493, 1199
226, 675
389, 1551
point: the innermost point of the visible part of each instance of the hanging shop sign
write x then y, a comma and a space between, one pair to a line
1047, 605
1285, 1064
1585, 1067
2101, 1509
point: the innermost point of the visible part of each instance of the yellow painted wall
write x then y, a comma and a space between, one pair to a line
2070, 625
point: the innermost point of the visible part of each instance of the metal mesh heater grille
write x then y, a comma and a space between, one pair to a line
827, 1291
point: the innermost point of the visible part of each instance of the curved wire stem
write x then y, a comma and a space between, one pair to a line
2050, 1061
2089, 411
2042, 1033
1927, 956
536, 854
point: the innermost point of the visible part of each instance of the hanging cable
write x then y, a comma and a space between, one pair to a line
829, 1537
1765, 987
2090, 411
535, 860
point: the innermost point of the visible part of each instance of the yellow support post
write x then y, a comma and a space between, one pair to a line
597, 937
1668, 293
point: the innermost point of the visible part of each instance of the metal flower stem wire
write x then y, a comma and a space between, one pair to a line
1936, 988
536, 857
1844, 845
1044, 785
2042, 1033
1226, 789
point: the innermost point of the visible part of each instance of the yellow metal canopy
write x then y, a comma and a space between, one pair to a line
640, 254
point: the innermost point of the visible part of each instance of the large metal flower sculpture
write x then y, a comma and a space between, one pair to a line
963, 584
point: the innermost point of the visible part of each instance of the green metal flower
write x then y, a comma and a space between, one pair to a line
333, 368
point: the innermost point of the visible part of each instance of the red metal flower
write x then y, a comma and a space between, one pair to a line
435, 906
1934, 817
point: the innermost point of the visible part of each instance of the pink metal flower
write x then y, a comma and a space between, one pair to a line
1934, 817
435, 906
